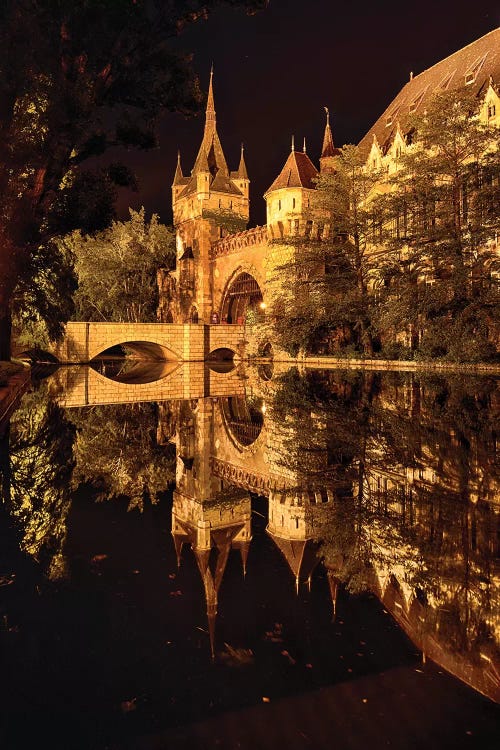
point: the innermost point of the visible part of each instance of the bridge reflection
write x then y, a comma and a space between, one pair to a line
339, 495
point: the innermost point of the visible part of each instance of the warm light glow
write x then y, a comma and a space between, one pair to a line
262, 305
263, 408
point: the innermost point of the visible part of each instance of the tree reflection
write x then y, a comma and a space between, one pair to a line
36, 471
410, 460
116, 451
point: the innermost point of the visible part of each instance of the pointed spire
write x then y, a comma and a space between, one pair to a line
293, 143
328, 147
178, 177
242, 169
210, 111
304, 148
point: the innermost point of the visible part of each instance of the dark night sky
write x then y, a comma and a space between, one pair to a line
275, 71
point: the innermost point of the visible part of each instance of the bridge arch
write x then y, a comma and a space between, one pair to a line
243, 420
142, 349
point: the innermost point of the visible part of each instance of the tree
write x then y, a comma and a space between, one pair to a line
116, 451
78, 76
326, 300
117, 267
439, 221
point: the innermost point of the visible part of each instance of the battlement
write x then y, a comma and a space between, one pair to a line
236, 242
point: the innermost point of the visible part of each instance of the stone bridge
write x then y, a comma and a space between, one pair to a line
189, 342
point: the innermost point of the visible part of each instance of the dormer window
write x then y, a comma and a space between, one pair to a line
492, 110
474, 69
415, 103
389, 121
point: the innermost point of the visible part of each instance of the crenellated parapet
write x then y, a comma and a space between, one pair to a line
239, 241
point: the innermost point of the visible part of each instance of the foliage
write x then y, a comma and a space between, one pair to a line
116, 451
326, 302
116, 269
37, 476
409, 460
76, 78
228, 221
439, 222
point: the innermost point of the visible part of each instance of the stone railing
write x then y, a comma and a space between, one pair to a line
236, 242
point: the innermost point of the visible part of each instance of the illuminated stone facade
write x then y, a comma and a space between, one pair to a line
235, 275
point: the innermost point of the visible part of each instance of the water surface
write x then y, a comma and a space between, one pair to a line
201, 558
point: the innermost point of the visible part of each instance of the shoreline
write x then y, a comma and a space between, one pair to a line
16, 384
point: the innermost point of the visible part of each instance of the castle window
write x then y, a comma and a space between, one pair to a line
293, 203
220, 203
230, 204
279, 205
491, 110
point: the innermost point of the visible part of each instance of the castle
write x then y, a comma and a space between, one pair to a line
223, 274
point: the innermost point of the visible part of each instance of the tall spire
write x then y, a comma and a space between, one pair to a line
210, 111
328, 147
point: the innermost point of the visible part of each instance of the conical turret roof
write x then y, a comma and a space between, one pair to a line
298, 171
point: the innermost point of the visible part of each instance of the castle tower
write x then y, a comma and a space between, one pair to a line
200, 204
210, 518
291, 195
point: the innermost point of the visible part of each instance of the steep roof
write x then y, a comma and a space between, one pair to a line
328, 149
298, 171
210, 156
478, 61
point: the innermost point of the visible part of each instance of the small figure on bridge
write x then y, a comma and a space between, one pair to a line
214, 319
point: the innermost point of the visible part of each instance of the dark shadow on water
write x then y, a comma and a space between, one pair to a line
133, 371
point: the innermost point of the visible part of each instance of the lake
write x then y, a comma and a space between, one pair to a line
250, 557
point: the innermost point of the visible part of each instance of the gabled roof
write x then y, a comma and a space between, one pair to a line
299, 171
479, 61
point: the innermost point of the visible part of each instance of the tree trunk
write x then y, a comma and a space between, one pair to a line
5, 333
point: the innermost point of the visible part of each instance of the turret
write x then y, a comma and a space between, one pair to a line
290, 195
197, 203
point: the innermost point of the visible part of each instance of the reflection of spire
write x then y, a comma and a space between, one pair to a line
179, 541
333, 582
244, 548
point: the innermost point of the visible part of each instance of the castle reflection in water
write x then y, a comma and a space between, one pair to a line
387, 481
